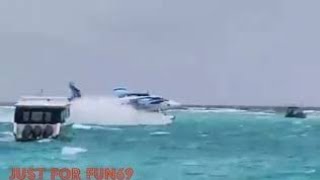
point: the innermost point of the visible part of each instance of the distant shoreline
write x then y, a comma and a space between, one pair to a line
251, 107
7, 103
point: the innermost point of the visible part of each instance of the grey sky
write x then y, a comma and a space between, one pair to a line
194, 51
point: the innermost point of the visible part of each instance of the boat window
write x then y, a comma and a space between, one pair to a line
36, 116
40, 115
26, 115
64, 115
47, 117
68, 112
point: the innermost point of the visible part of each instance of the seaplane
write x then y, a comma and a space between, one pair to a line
139, 101
144, 101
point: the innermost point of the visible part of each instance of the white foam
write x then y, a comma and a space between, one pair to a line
7, 133
204, 135
6, 113
222, 110
110, 111
262, 113
6, 139
72, 150
8, 107
310, 111
6, 136
89, 127
111, 128
310, 171
81, 126
44, 140
226, 110
215, 110
159, 133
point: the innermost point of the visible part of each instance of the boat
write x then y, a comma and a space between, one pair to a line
295, 112
39, 117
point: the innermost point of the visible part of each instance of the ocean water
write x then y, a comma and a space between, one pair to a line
220, 144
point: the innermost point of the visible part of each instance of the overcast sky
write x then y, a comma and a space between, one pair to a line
194, 51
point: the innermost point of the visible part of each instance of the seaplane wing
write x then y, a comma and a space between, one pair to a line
143, 101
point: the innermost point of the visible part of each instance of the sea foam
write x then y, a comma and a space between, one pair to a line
109, 111
72, 150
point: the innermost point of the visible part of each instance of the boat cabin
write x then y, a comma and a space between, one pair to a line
40, 117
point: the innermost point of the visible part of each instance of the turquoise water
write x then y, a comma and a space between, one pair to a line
199, 145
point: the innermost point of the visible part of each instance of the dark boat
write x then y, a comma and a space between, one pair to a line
295, 112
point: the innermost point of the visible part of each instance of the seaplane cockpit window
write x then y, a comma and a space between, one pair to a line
26, 115
37, 116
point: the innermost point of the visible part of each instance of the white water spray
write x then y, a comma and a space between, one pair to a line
109, 111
